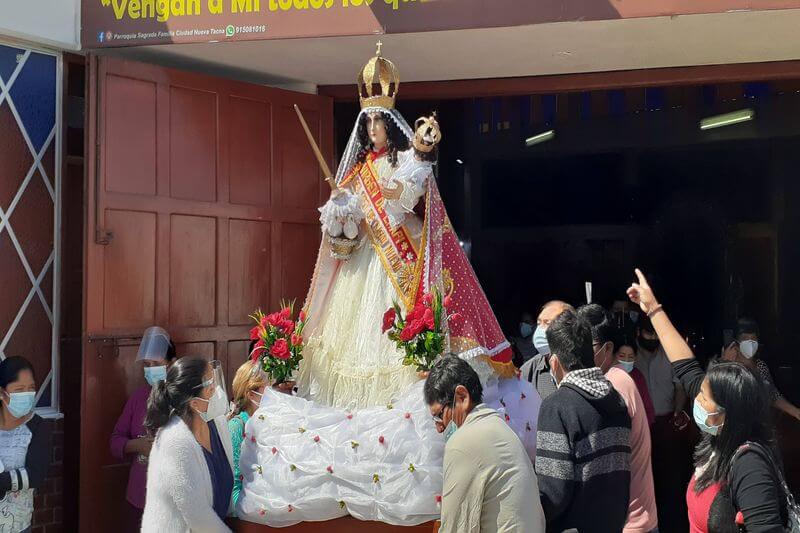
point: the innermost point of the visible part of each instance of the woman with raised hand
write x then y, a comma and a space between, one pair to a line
737, 483
190, 472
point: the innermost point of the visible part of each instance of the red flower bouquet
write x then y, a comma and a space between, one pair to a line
279, 344
420, 333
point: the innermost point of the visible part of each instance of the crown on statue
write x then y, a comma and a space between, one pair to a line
378, 70
427, 133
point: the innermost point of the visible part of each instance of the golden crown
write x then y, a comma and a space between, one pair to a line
378, 70
427, 133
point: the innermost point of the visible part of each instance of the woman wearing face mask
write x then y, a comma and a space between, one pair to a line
190, 472
248, 387
625, 358
25, 445
736, 483
745, 350
129, 440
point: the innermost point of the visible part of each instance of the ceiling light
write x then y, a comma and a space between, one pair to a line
727, 119
540, 138
460, 162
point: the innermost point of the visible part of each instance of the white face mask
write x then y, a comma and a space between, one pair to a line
627, 366
217, 405
748, 348
260, 396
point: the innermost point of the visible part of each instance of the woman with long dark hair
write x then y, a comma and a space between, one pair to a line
26, 443
737, 483
190, 473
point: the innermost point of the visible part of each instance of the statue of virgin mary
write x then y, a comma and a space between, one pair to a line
357, 438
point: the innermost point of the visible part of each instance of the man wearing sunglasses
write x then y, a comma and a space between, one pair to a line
489, 482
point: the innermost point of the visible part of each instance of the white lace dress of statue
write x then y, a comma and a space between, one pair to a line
357, 438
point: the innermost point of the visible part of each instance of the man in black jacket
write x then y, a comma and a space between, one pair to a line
583, 439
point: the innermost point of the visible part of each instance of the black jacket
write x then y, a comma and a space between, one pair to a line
37, 458
583, 455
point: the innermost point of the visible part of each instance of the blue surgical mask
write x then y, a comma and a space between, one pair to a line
449, 431
627, 366
700, 417
525, 329
540, 340
20, 403
154, 374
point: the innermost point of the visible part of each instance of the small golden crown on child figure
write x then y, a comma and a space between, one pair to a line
378, 70
427, 133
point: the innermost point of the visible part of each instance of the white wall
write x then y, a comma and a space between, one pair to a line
51, 23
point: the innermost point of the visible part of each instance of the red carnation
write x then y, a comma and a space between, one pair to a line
427, 319
286, 313
259, 346
447, 301
280, 349
255, 333
388, 319
416, 313
302, 316
297, 340
408, 333
286, 327
272, 319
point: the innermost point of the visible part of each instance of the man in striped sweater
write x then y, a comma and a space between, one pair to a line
583, 439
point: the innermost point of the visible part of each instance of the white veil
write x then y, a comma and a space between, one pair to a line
353, 146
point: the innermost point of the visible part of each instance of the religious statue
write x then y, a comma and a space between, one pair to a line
358, 438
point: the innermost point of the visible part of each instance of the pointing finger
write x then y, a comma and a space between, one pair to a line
642, 279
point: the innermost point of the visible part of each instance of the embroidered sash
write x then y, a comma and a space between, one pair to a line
398, 253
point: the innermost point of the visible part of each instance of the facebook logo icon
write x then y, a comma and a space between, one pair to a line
101, 36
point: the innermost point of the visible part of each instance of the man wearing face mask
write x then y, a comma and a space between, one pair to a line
583, 441
537, 369
129, 440
745, 350
642, 515
524, 342
672, 447
489, 481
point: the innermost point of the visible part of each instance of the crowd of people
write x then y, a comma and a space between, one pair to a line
613, 436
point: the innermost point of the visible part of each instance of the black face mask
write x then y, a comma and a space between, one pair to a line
650, 345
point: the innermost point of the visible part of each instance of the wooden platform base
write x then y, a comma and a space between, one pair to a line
340, 525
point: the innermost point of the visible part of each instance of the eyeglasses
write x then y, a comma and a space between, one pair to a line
437, 418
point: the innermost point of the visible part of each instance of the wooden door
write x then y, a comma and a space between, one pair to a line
201, 207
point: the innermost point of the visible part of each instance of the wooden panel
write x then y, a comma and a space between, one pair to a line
299, 246
237, 356
130, 136
300, 174
339, 525
201, 243
130, 270
196, 349
248, 269
250, 144
192, 144
193, 267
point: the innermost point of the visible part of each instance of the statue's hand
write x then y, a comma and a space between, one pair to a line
392, 194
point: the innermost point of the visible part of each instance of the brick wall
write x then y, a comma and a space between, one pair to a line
47, 507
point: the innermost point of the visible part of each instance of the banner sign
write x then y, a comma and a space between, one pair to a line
115, 23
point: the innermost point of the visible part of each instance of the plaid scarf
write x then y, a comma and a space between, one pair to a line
590, 380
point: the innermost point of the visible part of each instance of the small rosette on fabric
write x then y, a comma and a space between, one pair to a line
341, 215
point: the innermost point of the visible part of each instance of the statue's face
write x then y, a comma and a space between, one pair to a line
376, 127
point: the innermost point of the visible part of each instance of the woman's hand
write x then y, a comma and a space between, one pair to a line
640, 293
286, 387
140, 446
731, 353
423, 374
392, 194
